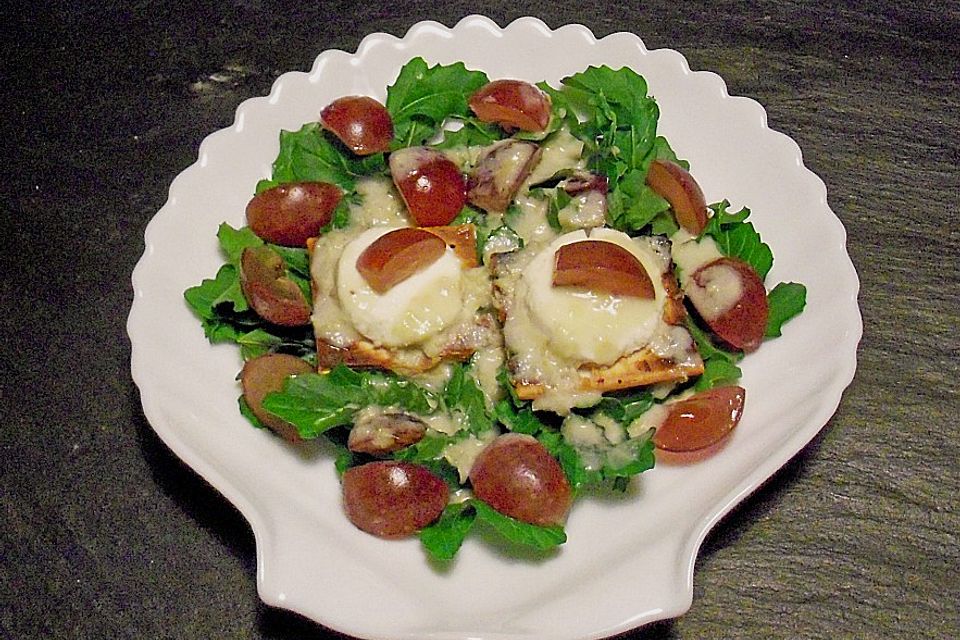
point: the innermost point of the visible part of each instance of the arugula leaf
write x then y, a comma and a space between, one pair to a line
462, 393
557, 203
737, 238
633, 205
570, 460
717, 372
234, 241
629, 458
719, 365
609, 96
473, 133
785, 301
317, 402
443, 539
430, 447
309, 154
423, 97
516, 531
428, 452
625, 408
522, 420
224, 288
663, 151
620, 120
664, 224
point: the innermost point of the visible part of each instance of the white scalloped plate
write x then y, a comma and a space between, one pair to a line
628, 561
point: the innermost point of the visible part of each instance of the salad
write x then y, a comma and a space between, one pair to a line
490, 296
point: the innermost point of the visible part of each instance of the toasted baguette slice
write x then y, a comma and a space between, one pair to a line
637, 369
460, 342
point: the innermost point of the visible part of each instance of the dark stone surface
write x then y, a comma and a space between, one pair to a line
104, 533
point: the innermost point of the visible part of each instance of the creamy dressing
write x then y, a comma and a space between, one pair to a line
584, 211
674, 342
529, 220
718, 288
689, 253
600, 440
463, 453
330, 323
380, 204
511, 158
715, 291
486, 366
652, 418
464, 157
561, 151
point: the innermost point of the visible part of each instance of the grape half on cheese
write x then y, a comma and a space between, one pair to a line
417, 308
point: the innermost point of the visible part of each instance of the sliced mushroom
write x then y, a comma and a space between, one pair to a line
495, 180
380, 432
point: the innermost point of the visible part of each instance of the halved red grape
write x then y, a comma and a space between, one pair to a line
603, 267
430, 184
674, 184
272, 295
518, 477
362, 124
513, 104
265, 374
391, 499
397, 255
289, 214
701, 420
730, 297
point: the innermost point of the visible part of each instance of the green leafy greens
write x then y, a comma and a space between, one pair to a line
423, 97
316, 402
611, 112
443, 538
223, 310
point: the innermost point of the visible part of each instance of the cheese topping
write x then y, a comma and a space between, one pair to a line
380, 204
585, 326
409, 313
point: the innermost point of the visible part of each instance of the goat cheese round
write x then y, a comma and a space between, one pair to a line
584, 326
413, 310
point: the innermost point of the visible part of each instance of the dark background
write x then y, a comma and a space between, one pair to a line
104, 533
